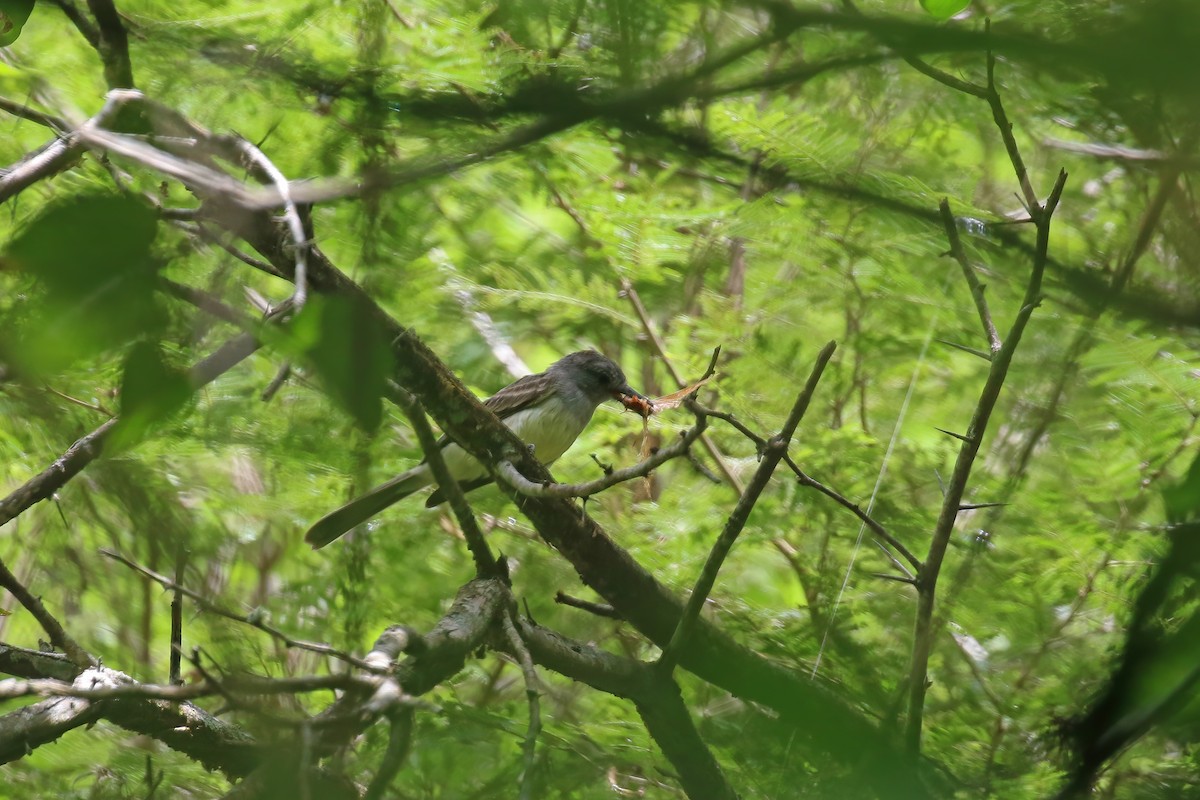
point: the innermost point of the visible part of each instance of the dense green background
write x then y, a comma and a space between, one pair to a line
825, 191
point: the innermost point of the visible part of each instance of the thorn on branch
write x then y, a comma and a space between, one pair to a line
973, 351
599, 609
958, 436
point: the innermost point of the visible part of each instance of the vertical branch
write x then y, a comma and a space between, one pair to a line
521, 653
399, 741
181, 558
956, 487
112, 44
772, 454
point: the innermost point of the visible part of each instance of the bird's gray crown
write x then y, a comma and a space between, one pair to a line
593, 373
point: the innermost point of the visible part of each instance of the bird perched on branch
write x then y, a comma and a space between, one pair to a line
548, 411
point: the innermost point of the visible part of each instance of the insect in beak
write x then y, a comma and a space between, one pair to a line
634, 400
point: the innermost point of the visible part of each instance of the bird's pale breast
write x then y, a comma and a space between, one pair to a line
550, 427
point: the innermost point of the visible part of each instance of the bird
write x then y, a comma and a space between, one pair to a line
547, 411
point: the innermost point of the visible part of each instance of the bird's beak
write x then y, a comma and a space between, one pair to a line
634, 400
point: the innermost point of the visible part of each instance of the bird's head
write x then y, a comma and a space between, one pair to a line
600, 378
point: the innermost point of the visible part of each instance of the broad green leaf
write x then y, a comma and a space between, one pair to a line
151, 391
350, 352
90, 255
944, 9
13, 14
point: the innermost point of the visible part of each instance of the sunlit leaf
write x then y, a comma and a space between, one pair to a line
944, 9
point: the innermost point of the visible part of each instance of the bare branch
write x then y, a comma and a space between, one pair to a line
599, 609
33, 115
513, 477
881, 532
291, 216
113, 45
399, 741
26, 663
55, 156
53, 628
960, 255
774, 452
521, 653
254, 621
953, 493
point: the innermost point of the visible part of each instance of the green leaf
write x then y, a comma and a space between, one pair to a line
348, 348
13, 14
91, 257
151, 391
1182, 500
944, 9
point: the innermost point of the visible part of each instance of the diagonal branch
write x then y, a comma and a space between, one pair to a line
86, 449
960, 255
774, 452
50, 624
485, 563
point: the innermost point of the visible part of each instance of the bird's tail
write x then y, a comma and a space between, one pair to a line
362, 508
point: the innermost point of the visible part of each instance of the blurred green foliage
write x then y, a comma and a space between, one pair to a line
826, 193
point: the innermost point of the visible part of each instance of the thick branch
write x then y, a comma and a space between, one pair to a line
655, 696
113, 44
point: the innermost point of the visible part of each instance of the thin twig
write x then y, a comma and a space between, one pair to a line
254, 620
773, 453
521, 653
33, 115
923, 67
807, 480
290, 214
512, 476
660, 349
960, 255
599, 609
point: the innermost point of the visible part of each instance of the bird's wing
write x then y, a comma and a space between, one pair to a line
522, 393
